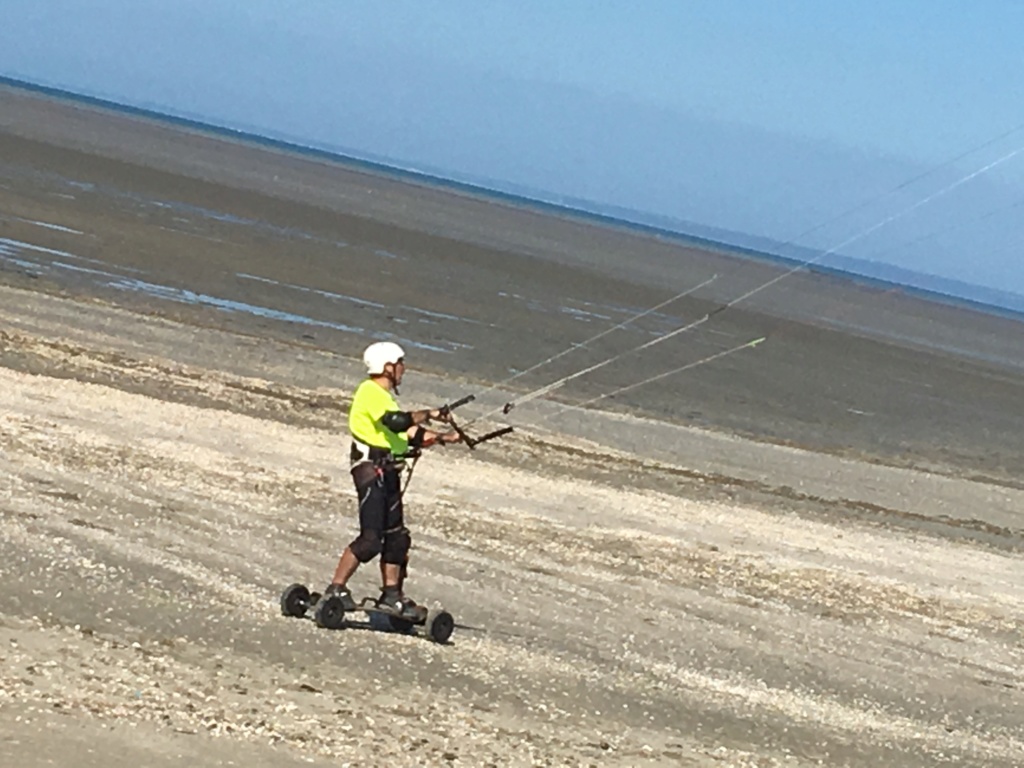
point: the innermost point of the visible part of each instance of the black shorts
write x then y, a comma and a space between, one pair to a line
380, 499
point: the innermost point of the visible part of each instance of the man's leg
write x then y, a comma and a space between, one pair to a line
347, 566
388, 576
391, 575
395, 547
366, 546
394, 558
394, 561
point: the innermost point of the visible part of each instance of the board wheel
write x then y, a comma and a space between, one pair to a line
440, 627
330, 613
295, 601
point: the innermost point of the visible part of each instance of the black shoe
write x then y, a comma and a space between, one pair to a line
340, 590
395, 603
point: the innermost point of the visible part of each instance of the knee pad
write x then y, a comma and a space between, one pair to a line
395, 550
366, 547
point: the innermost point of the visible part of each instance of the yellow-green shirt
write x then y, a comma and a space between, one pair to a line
369, 404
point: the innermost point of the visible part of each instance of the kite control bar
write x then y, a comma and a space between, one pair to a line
447, 409
471, 442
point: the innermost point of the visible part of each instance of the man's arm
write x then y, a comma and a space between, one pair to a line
420, 437
403, 421
411, 422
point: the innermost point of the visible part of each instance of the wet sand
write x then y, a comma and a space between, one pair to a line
806, 553
487, 290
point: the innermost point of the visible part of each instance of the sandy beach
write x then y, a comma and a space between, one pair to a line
806, 553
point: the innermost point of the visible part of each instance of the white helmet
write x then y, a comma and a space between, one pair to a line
379, 354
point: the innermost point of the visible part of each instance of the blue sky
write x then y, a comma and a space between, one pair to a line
768, 119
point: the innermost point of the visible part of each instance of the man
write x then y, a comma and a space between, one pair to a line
382, 436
